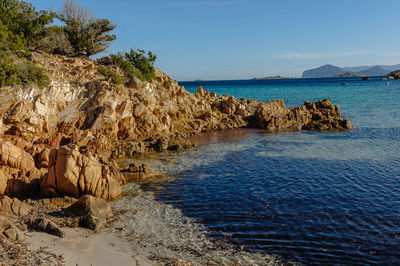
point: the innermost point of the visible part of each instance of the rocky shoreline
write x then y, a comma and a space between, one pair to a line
59, 144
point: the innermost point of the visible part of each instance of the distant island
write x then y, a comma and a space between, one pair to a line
274, 77
327, 71
198, 80
349, 75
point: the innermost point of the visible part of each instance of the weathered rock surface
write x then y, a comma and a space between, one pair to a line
89, 205
75, 174
47, 226
9, 231
321, 115
14, 206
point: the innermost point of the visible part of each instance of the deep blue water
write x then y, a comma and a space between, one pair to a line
310, 197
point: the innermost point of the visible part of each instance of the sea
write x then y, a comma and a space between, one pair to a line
305, 197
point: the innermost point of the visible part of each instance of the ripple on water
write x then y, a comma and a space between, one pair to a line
304, 196
160, 232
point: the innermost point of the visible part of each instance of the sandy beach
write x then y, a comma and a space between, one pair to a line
84, 247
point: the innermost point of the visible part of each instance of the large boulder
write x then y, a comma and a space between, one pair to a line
75, 174
89, 205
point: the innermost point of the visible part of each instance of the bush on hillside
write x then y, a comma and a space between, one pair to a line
129, 70
111, 75
136, 63
145, 63
9, 72
27, 73
30, 73
86, 34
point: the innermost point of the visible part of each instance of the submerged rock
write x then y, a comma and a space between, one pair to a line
136, 172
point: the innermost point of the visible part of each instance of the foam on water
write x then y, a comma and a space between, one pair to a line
160, 232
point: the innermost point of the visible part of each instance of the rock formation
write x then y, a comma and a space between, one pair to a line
75, 174
61, 140
394, 75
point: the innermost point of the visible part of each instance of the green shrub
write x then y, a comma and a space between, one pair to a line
166, 83
111, 75
9, 72
22, 25
136, 63
145, 63
30, 73
12, 42
86, 34
129, 70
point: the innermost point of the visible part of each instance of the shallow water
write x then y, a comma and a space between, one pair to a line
310, 197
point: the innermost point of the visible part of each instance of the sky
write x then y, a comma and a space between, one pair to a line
242, 39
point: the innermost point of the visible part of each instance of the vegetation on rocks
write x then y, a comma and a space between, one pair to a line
25, 73
137, 63
111, 75
30, 73
9, 72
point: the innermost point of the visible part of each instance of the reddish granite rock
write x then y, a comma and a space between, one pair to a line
75, 174
320, 115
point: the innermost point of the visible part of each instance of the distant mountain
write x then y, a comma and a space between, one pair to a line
332, 71
323, 71
391, 68
356, 69
362, 68
374, 71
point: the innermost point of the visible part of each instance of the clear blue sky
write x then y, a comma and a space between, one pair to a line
240, 39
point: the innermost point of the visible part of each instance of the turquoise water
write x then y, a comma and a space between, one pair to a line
309, 197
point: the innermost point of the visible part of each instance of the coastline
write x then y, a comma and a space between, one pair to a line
64, 140
151, 233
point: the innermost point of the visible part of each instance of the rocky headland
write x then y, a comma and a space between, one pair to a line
348, 75
58, 143
274, 77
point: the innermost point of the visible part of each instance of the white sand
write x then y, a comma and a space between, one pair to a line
83, 247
